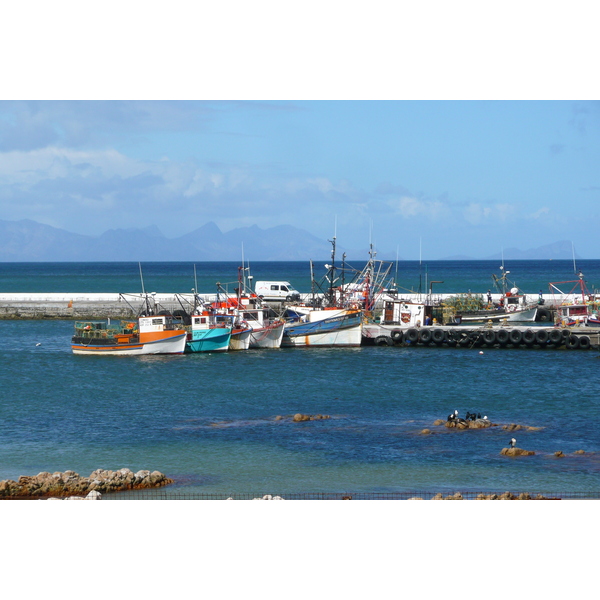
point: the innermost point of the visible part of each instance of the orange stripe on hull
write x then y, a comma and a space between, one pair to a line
155, 336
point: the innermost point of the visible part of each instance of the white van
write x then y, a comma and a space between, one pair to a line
276, 290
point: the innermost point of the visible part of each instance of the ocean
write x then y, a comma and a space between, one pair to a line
209, 421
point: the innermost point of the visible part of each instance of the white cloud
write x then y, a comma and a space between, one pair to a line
476, 213
541, 213
409, 207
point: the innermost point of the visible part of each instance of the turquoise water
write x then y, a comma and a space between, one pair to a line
208, 420
457, 276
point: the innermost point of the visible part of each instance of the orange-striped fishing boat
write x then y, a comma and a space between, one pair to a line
154, 334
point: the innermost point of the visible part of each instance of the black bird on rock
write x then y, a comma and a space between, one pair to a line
452, 416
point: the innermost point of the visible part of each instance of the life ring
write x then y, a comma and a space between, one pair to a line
511, 307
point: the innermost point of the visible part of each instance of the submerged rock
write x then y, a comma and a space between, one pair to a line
477, 424
559, 454
69, 483
516, 452
516, 427
579, 452
425, 431
298, 417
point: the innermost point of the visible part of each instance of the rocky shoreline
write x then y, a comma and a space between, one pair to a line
71, 484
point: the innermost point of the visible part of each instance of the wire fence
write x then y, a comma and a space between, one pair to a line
472, 495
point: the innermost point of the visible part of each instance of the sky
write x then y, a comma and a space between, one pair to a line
470, 169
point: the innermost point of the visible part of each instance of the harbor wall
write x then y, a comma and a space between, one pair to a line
75, 305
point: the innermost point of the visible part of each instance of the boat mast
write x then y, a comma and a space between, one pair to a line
331, 293
343, 279
312, 282
146, 302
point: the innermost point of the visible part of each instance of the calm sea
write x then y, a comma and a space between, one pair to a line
208, 421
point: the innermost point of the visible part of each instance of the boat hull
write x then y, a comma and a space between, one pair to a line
208, 340
344, 330
240, 340
520, 316
267, 337
174, 344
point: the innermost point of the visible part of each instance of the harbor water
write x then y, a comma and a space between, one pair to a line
210, 421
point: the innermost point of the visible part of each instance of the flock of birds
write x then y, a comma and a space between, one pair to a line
469, 416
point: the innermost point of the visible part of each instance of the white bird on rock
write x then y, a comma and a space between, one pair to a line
512, 442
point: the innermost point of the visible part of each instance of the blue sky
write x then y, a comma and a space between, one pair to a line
439, 130
451, 177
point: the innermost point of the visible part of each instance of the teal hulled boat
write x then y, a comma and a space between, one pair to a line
205, 336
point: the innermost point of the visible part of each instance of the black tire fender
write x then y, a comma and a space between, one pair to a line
383, 340
502, 336
425, 336
515, 337
412, 336
397, 336
438, 336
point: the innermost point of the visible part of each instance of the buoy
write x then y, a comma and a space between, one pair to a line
481, 352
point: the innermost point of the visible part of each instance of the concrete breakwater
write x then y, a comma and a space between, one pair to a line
69, 483
482, 336
79, 306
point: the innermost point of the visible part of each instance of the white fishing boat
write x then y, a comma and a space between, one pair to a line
576, 308
266, 332
326, 328
155, 334
331, 319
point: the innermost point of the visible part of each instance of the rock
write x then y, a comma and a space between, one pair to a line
70, 484
516, 452
298, 417
579, 452
415, 498
438, 496
506, 496
558, 454
278, 418
516, 427
477, 424
425, 431
439, 422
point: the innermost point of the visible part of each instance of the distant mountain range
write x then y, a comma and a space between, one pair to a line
29, 241
562, 250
